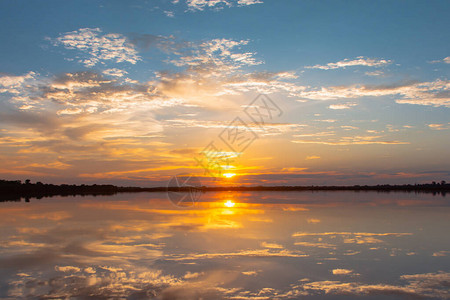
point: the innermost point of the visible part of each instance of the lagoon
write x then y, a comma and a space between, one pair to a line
229, 245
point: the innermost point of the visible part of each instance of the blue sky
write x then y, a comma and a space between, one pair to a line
285, 33
136, 88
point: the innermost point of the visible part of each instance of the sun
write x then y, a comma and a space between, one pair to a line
229, 175
229, 203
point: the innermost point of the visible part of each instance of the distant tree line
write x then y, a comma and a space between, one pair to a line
16, 190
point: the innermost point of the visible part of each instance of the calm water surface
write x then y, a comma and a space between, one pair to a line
258, 245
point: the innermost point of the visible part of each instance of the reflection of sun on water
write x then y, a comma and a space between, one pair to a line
229, 203
229, 175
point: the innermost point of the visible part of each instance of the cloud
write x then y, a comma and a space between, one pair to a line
213, 69
345, 237
425, 93
313, 221
210, 71
98, 47
190, 275
14, 84
312, 157
115, 72
199, 5
347, 105
301, 234
67, 269
359, 61
248, 2
316, 245
344, 272
432, 101
250, 273
98, 282
118, 119
351, 140
328, 240
374, 73
268, 129
439, 126
129, 282
271, 245
441, 253
216, 55
445, 60
435, 93
268, 252
89, 92
169, 13
362, 240
78, 118
430, 285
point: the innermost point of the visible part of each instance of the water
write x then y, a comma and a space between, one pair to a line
258, 245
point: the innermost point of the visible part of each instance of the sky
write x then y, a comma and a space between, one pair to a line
234, 92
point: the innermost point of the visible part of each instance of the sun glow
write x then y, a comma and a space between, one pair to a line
229, 203
229, 175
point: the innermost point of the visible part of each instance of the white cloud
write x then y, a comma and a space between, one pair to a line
99, 47
269, 128
445, 60
431, 101
359, 61
439, 126
201, 4
115, 72
248, 2
91, 92
217, 55
198, 5
375, 73
342, 105
13, 84
169, 13
351, 140
69, 111
423, 93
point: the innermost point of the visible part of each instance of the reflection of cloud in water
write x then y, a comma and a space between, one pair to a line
430, 285
138, 249
357, 234
315, 244
242, 253
441, 253
111, 282
344, 272
104, 283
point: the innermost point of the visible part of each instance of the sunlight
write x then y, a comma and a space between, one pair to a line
229, 203
229, 175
